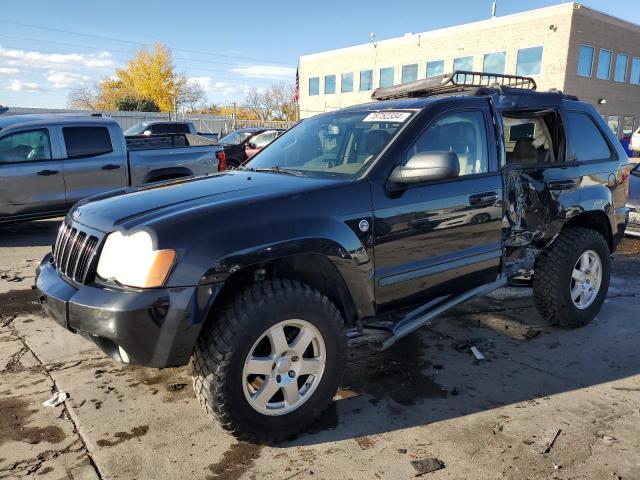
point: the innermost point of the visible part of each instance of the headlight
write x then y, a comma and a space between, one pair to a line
131, 260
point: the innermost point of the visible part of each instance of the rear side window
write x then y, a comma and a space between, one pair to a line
587, 139
164, 128
87, 141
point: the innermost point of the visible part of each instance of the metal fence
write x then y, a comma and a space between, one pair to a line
203, 123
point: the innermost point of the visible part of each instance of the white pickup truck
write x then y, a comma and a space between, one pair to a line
49, 162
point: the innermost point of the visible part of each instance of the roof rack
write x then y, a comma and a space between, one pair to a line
458, 81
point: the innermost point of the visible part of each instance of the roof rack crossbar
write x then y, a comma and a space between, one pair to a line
458, 81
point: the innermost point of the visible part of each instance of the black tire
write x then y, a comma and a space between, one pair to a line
224, 344
552, 278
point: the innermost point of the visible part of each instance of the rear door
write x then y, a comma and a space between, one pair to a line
441, 237
94, 161
31, 174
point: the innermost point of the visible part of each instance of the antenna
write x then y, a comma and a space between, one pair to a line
493, 9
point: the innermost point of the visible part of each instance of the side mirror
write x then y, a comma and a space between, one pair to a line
251, 145
426, 167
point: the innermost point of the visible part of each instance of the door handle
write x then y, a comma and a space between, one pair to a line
483, 198
46, 173
111, 166
562, 184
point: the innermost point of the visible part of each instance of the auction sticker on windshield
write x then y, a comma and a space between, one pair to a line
387, 117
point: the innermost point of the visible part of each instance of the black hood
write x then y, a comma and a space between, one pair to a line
131, 207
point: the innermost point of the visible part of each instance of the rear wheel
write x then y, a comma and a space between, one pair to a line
572, 277
271, 362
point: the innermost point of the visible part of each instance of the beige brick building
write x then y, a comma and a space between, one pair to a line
568, 47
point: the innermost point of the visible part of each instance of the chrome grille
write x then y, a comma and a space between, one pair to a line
73, 252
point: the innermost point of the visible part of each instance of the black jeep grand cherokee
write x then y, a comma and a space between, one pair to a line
444, 190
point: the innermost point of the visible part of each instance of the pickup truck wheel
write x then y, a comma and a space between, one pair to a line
572, 277
271, 362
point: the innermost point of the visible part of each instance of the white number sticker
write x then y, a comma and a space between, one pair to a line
398, 117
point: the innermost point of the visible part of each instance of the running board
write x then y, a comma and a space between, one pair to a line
425, 314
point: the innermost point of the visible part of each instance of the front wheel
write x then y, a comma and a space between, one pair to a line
572, 277
271, 362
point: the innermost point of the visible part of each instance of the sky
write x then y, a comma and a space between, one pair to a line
48, 47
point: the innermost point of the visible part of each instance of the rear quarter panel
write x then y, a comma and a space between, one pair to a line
193, 160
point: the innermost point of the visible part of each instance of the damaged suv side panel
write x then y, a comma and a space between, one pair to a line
541, 198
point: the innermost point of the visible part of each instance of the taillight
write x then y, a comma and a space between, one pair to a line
222, 160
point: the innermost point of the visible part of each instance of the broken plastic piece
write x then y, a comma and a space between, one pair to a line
427, 465
57, 399
477, 353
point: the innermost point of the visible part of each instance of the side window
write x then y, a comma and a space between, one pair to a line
587, 140
86, 141
533, 139
27, 146
463, 133
264, 139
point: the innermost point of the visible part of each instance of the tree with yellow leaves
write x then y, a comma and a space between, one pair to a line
149, 76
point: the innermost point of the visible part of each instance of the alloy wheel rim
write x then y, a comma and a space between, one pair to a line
586, 279
284, 367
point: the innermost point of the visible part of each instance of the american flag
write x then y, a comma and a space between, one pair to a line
296, 90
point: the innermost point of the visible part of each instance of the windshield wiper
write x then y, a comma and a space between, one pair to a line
277, 169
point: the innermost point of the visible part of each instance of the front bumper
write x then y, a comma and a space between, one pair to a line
154, 327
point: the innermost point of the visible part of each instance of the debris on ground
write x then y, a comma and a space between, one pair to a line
402, 450
57, 399
477, 353
609, 440
480, 344
11, 277
544, 443
5, 321
427, 465
174, 387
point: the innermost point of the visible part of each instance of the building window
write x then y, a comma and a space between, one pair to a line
635, 71
463, 63
494, 62
314, 86
529, 61
386, 77
614, 122
585, 61
620, 74
366, 80
604, 65
329, 84
347, 83
435, 68
409, 73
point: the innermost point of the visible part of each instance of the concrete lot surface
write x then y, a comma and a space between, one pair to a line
545, 402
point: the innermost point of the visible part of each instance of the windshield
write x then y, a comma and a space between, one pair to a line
337, 144
236, 137
136, 129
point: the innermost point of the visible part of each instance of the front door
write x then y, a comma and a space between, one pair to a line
444, 236
31, 178
93, 163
